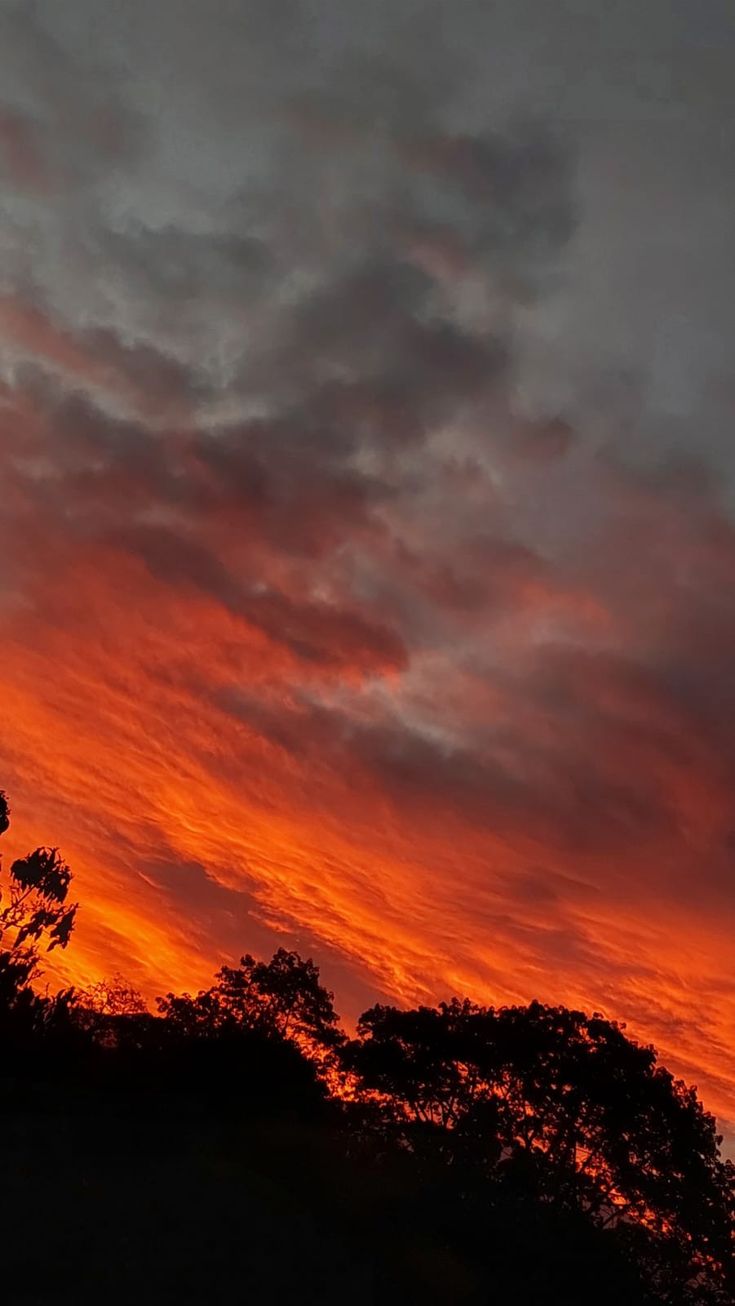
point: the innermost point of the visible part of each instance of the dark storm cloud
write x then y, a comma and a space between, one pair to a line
65, 121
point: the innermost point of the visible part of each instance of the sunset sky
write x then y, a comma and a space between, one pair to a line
367, 495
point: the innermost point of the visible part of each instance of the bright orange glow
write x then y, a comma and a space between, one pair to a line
194, 835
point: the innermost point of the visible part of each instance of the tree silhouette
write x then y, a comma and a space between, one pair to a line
33, 908
282, 996
563, 1106
112, 1011
283, 993
234, 1053
114, 996
34, 914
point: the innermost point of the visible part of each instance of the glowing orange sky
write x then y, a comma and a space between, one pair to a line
367, 555
110, 749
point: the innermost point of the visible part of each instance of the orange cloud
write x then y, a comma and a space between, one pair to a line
194, 828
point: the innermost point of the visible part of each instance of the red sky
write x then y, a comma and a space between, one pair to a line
367, 545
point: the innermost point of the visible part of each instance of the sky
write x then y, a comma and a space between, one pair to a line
367, 549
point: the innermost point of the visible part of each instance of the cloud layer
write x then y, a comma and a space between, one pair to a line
367, 536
